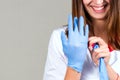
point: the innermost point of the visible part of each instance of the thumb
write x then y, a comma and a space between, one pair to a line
63, 38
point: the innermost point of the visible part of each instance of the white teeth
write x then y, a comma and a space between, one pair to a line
98, 8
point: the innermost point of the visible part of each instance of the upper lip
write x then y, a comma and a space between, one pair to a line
99, 5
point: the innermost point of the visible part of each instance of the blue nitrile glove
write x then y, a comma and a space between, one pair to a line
75, 46
102, 67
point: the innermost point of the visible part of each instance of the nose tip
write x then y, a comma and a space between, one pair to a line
98, 1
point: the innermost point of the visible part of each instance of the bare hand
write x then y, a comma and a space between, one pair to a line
102, 51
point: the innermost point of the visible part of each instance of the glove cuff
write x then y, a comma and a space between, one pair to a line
76, 68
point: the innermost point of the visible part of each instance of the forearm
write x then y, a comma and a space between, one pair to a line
112, 74
71, 74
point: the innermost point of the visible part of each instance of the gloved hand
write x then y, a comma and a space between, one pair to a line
75, 46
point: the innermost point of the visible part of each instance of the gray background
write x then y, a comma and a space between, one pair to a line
25, 29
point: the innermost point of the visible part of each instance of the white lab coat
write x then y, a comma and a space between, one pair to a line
56, 64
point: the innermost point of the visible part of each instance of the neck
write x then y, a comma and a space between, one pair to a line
99, 25
100, 29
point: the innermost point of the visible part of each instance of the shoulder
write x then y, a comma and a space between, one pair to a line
56, 63
55, 43
57, 32
56, 35
55, 39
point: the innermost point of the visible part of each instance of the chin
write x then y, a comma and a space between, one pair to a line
100, 17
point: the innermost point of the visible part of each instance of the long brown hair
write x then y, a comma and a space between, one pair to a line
112, 20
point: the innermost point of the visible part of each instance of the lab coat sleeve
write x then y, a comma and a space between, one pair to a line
56, 63
115, 61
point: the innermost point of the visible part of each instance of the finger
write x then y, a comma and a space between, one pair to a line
94, 40
100, 55
75, 24
63, 38
107, 59
101, 50
93, 46
95, 60
81, 25
87, 31
98, 40
70, 25
93, 37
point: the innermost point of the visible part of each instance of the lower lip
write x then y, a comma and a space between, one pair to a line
99, 11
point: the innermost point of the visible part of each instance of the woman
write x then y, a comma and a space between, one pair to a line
71, 55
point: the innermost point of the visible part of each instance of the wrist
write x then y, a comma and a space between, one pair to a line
72, 74
72, 70
117, 76
77, 67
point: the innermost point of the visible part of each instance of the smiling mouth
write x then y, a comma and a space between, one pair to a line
99, 9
